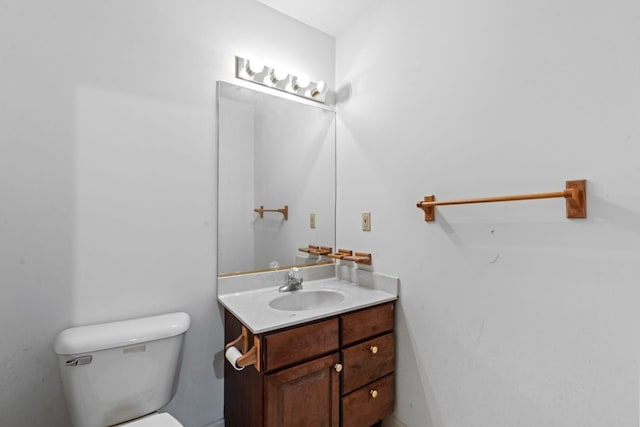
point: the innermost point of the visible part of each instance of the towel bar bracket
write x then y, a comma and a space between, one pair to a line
429, 211
577, 203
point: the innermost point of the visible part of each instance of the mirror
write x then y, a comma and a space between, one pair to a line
273, 153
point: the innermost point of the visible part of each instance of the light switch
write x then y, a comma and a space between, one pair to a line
312, 220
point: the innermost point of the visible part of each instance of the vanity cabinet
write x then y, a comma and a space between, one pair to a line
334, 372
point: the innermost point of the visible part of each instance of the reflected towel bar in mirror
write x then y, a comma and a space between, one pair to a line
284, 211
575, 193
316, 250
347, 255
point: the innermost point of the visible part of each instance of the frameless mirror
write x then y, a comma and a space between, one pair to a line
273, 154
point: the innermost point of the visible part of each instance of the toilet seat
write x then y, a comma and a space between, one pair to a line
154, 420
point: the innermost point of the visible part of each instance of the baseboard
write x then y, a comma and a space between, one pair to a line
392, 421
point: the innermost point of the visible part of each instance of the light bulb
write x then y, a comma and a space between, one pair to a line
254, 66
277, 75
320, 88
291, 86
303, 81
299, 82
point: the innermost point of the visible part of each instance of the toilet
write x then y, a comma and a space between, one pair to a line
121, 373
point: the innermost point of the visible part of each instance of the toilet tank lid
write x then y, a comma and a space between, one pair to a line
85, 339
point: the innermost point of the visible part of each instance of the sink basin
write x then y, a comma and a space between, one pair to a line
306, 300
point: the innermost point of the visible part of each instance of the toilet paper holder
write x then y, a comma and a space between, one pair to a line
250, 356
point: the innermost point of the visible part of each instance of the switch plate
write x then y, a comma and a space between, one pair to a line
366, 221
312, 220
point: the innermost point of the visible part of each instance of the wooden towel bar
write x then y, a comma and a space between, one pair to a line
284, 211
574, 193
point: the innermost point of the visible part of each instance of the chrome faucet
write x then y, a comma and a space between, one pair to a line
294, 281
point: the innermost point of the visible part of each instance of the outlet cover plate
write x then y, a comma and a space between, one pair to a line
366, 221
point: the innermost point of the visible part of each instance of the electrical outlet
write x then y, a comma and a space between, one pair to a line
312, 220
366, 221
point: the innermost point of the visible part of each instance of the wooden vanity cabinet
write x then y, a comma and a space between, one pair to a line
333, 372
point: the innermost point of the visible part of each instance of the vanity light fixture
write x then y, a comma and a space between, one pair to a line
255, 71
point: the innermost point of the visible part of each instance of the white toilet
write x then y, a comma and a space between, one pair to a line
120, 373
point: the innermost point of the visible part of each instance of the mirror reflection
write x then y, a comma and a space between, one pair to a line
276, 183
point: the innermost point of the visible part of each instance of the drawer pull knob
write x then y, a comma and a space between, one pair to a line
373, 349
374, 393
338, 367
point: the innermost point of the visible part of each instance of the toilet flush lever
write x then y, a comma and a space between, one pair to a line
82, 360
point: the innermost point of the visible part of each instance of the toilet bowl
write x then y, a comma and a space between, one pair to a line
121, 373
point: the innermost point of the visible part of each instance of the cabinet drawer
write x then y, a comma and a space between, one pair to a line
362, 409
366, 323
298, 344
367, 361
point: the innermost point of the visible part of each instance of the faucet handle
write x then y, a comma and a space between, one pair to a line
294, 273
294, 281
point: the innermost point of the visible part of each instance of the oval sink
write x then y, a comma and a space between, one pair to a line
306, 300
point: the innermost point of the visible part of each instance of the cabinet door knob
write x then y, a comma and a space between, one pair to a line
374, 393
338, 367
373, 349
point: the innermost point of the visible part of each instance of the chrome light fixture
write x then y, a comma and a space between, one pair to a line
255, 71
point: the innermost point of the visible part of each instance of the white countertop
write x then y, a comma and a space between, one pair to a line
252, 308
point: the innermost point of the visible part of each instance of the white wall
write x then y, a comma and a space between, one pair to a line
108, 179
509, 314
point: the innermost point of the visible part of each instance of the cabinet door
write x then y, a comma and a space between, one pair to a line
306, 395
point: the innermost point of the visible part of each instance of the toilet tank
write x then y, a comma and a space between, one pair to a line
115, 372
